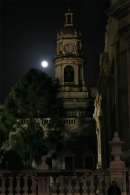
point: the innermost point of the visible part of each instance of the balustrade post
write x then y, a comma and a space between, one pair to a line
69, 187
33, 187
10, 188
84, 187
3, 186
61, 187
77, 187
47, 185
100, 187
25, 187
92, 187
18, 187
54, 187
43, 182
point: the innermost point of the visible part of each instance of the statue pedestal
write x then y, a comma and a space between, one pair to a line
43, 165
117, 167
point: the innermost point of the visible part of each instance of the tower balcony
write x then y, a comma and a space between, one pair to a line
70, 86
61, 55
83, 121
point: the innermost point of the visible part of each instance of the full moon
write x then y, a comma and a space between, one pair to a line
44, 64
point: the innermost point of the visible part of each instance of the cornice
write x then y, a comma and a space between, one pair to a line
119, 10
72, 56
125, 33
69, 37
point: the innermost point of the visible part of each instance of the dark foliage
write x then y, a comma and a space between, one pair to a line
32, 98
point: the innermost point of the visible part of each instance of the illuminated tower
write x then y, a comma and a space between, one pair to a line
69, 70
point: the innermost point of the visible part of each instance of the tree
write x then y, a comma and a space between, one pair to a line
32, 98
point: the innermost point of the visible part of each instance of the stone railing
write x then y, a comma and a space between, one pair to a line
68, 182
70, 87
84, 120
70, 120
56, 182
75, 122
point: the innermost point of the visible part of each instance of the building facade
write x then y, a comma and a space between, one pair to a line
112, 102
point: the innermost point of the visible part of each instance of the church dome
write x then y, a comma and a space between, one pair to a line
69, 30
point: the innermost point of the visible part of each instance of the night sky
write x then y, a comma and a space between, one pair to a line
29, 30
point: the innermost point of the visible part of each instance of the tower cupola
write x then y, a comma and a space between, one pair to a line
69, 60
69, 18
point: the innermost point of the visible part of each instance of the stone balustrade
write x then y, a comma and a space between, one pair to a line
71, 87
45, 181
83, 121
56, 182
70, 120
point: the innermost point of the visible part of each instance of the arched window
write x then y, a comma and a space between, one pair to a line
69, 74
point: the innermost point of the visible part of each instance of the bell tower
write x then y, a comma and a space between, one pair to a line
69, 61
69, 68
79, 125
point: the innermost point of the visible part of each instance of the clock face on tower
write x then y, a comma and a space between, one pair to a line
69, 48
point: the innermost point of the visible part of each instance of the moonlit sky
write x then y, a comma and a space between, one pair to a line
28, 36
